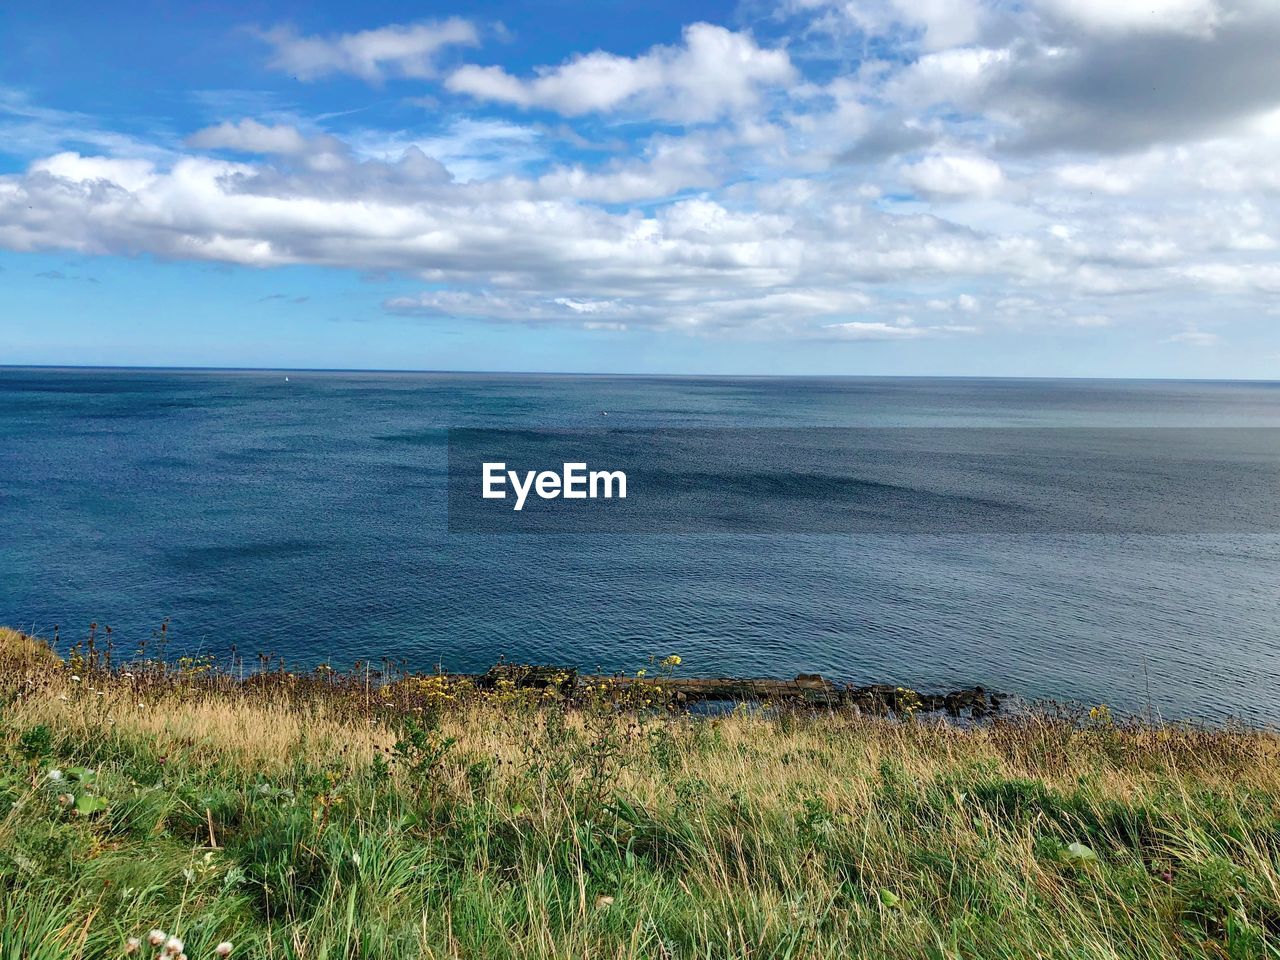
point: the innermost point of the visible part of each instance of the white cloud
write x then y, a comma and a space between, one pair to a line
250, 136
407, 50
672, 165
961, 75
788, 257
955, 175
716, 71
111, 173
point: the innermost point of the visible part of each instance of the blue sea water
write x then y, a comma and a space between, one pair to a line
307, 518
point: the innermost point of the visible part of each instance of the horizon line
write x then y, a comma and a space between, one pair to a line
582, 373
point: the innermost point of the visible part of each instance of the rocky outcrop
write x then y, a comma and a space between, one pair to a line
806, 690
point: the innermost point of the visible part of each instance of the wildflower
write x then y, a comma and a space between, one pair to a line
132, 944
603, 901
223, 949
672, 661
173, 946
156, 937
55, 774
66, 799
640, 673
74, 678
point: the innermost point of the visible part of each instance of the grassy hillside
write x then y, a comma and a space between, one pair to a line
320, 816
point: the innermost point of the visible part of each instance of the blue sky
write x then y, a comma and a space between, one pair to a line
976, 187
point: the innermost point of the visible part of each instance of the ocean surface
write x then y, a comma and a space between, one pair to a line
308, 518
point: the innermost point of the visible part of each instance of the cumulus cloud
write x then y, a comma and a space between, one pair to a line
955, 175
106, 173
407, 50
796, 257
1081, 166
713, 72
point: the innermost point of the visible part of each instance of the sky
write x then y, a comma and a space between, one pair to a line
904, 187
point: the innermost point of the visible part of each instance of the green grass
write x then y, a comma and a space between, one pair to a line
313, 817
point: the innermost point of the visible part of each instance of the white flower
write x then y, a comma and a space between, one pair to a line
74, 678
132, 944
55, 774
173, 946
223, 949
156, 937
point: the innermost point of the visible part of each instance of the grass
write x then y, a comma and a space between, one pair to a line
325, 816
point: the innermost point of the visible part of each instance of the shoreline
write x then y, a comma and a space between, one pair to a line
662, 689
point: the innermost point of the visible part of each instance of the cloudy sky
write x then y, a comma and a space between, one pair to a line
1003, 187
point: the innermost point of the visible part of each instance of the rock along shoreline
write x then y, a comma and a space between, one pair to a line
806, 690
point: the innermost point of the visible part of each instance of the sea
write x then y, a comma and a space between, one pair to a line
305, 515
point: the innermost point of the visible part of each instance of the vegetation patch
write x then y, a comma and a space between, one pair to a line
182, 811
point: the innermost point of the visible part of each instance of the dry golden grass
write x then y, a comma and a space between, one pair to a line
21, 653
